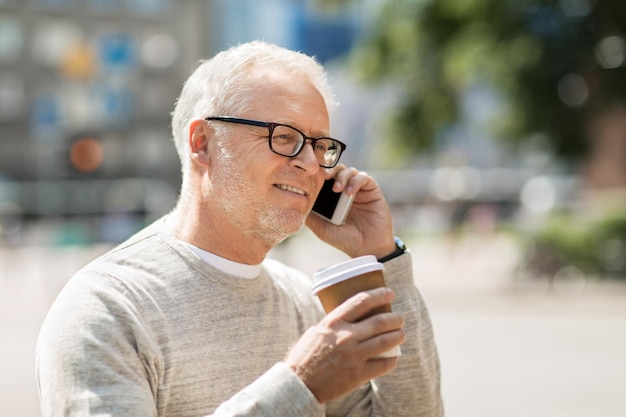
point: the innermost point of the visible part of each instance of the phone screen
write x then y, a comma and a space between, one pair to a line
327, 200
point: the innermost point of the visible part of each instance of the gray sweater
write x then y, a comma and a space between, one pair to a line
149, 329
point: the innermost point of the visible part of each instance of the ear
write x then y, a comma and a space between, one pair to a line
200, 136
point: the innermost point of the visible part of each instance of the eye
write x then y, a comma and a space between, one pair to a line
285, 135
284, 138
321, 146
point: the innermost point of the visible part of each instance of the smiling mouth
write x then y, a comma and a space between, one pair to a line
290, 189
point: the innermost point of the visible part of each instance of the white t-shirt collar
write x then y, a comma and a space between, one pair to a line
237, 269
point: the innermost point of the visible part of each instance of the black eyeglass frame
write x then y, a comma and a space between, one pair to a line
271, 126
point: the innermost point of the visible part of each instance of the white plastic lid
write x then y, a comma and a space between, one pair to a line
326, 277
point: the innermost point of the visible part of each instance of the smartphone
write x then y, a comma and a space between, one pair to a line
332, 206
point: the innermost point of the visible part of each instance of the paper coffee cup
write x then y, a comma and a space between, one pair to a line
335, 284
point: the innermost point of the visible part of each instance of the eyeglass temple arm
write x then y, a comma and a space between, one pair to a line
238, 121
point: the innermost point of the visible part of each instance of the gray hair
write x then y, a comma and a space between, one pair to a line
218, 86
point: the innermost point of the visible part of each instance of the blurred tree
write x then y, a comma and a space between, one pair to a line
557, 66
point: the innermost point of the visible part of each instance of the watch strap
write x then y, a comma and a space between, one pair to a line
400, 250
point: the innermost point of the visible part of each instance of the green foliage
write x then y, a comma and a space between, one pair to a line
549, 59
597, 247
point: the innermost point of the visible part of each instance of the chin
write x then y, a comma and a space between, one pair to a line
279, 226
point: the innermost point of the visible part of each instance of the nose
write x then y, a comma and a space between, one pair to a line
306, 158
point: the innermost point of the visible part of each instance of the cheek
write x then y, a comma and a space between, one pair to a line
252, 179
261, 170
253, 169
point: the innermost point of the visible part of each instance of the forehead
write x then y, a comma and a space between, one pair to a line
280, 96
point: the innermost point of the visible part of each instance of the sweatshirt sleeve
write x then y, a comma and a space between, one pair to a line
413, 388
90, 360
277, 393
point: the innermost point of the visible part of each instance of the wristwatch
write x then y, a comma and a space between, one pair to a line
400, 250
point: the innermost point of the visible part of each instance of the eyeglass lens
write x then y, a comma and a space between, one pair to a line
287, 141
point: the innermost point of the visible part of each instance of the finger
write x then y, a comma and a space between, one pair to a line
357, 306
378, 333
333, 172
344, 177
361, 180
378, 324
381, 343
379, 367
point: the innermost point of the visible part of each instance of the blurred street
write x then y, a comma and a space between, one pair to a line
507, 350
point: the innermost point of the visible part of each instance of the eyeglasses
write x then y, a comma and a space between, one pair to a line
288, 141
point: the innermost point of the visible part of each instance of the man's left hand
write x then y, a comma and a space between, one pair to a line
368, 229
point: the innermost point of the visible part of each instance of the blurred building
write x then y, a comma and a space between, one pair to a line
86, 88
86, 91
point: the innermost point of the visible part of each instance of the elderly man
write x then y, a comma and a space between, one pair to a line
189, 318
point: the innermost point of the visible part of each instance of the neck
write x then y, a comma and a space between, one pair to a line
193, 223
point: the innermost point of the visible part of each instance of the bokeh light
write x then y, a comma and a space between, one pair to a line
538, 195
611, 52
86, 154
159, 51
573, 90
453, 183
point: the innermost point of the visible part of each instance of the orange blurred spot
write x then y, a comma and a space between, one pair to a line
78, 62
86, 154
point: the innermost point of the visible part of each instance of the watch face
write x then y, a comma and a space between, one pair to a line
399, 243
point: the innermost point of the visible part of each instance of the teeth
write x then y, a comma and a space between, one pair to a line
290, 188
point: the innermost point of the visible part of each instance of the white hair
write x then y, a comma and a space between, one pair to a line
219, 85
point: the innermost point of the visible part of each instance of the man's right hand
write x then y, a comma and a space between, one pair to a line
337, 355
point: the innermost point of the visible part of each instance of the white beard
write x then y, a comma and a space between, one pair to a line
267, 223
